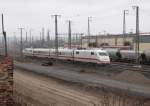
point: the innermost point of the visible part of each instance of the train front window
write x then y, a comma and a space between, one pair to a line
103, 54
92, 53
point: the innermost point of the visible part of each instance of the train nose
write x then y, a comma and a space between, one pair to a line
105, 59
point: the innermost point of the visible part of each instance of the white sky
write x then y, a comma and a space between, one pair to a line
106, 15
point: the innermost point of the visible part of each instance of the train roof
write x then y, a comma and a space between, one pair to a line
66, 49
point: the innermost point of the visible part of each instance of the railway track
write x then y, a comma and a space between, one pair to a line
120, 67
132, 67
117, 67
91, 79
113, 68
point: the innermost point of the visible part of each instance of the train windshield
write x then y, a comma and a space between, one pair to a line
103, 54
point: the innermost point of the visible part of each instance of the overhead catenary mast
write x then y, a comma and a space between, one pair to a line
30, 37
56, 34
43, 36
48, 38
26, 37
89, 19
4, 34
33, 41
125, 12
40, 39
137, 37
21, 43
69, 34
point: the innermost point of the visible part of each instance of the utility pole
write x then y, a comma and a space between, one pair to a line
30, 37
48, 38
4, 34
81, 43
89, 19
21, 43
56, 34
43, 36
137, 37
26, 36
40, 39
33, 41
76, 42
69, 34
104, 37
14, 45
125, 12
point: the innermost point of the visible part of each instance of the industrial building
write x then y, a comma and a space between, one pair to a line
116, 40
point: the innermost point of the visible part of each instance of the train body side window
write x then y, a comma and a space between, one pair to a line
92, 53
77, 52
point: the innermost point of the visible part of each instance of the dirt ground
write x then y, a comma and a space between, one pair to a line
47, 91
36, 90
133, 77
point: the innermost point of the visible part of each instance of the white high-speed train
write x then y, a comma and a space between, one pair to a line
97, 56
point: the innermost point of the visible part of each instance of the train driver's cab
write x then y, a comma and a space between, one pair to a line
103, 56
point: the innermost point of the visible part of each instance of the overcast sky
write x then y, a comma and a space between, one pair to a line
106, 15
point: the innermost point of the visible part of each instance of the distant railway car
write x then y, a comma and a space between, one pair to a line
97, 56
146, 55
131, 55
114, 53
128, 55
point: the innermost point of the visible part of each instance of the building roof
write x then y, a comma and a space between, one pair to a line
112, 36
